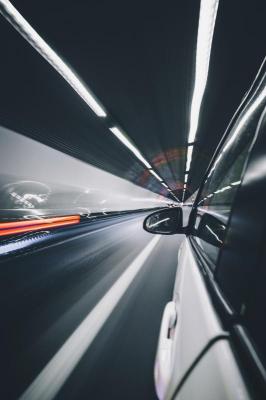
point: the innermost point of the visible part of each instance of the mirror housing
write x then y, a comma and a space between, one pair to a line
165, 222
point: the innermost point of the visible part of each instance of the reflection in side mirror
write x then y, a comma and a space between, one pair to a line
165, 222
211, 230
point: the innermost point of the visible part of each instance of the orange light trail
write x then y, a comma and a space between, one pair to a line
12, 228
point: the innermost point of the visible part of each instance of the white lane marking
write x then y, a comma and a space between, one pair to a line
51, 379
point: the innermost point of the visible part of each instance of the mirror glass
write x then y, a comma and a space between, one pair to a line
211, 230
165, 222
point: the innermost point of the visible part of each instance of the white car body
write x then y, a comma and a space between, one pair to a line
216, 375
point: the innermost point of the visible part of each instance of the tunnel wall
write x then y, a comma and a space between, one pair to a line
37, 177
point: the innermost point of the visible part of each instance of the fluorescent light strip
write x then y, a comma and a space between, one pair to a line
36, 41
185, 178
189, 157
225, 188
208, 12
123, 138
39, 44
156, 175
164, 184
236, 183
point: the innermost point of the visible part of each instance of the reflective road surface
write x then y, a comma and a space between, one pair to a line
80, 312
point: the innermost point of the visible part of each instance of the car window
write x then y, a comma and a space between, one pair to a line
224, 178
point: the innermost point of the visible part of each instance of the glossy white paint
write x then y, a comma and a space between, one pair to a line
196, 325
162, 369
216, 376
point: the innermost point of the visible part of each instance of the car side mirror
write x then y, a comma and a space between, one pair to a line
165, 222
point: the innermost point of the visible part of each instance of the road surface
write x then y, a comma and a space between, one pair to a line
80, 313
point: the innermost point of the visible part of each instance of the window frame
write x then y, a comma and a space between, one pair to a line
247, 97
246, 101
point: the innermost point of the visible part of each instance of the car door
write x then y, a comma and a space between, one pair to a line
195, 358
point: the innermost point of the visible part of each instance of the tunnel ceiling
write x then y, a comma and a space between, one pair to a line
138, 58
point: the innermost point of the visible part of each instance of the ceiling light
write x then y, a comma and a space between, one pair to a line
156, 175
235, 183
208, 12
189, 157
225, 188
36, 41
126, 141
185, 178
164, 184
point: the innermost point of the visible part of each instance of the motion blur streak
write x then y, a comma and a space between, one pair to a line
51, 282
53, 376
24, 28
63, 182
208, 12
11, 228
207, 18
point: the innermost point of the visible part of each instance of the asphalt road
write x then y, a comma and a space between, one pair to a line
80, 313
